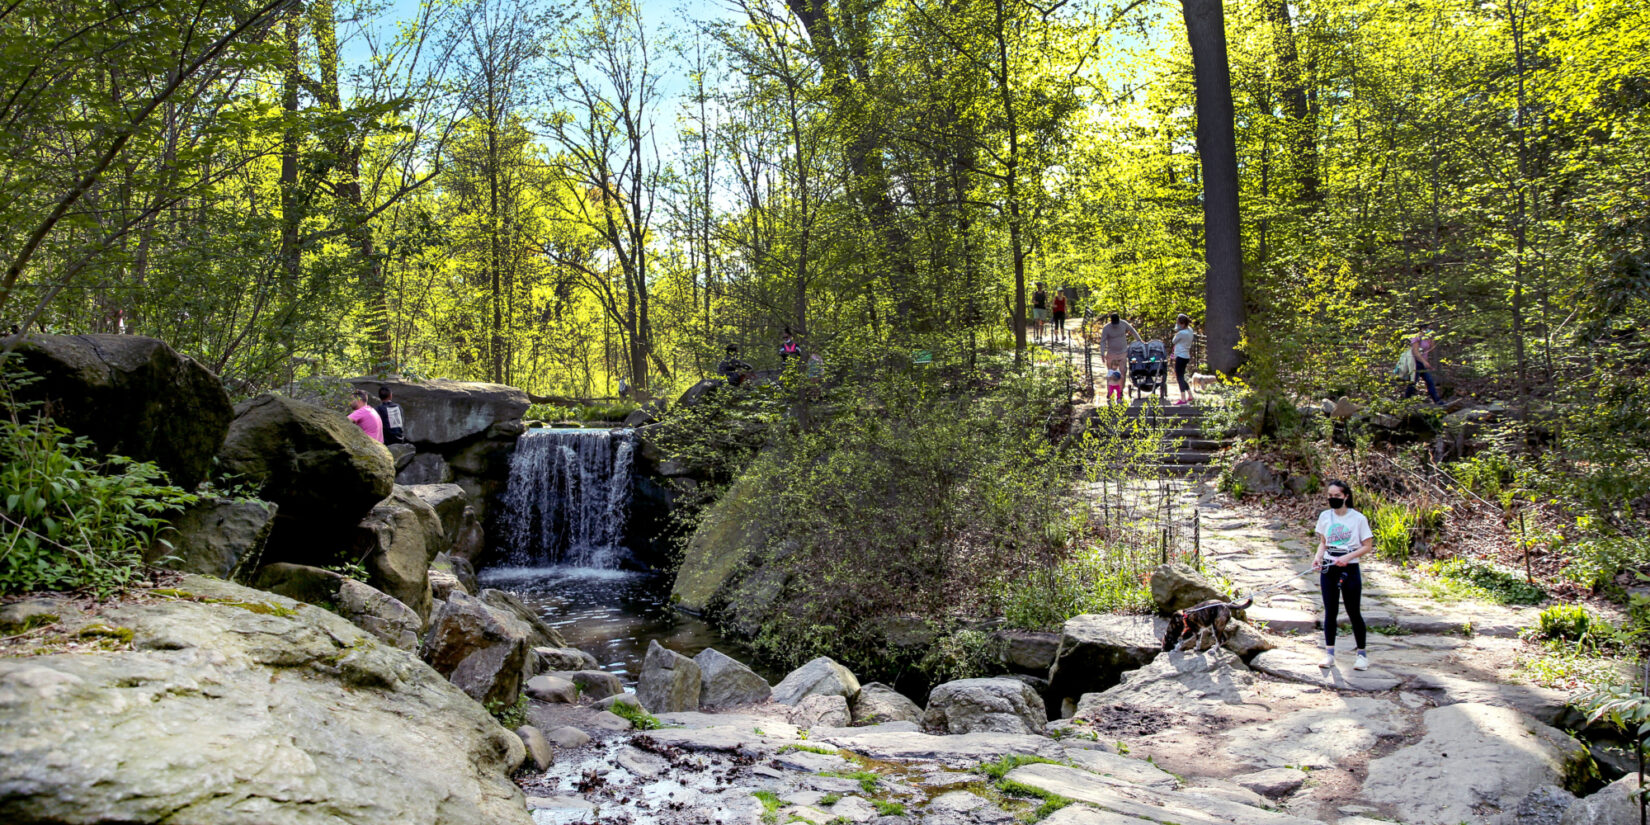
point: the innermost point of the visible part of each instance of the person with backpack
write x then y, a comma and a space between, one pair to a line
365, 416
1059, 313
1421, 351
1343, 535
389, 414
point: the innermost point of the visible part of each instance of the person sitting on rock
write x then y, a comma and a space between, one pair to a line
389, 413
789, 349
365, 416
733, 369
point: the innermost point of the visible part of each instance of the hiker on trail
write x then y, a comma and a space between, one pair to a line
1059, 313
733, 369
1421, 348
1343, 536
1182, 343
389, 414
1071, 298
365, 416
789, 349
1114, 342
1039, 308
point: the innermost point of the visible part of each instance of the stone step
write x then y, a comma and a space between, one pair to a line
1124, 799
1186, 457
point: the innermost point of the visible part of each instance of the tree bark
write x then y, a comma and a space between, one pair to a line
1217, 153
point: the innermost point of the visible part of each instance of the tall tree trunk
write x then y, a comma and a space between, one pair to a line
1217, 153
291, 217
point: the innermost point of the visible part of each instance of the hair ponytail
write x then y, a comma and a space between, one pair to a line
1344, 486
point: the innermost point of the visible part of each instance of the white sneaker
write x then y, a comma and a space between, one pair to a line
1328, 660
1362, 663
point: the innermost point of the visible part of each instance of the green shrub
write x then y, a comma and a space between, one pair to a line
1490, 581
1395, 526
70, 518
1486, 474
1565, 622
964, 654
639, 718
1595, 563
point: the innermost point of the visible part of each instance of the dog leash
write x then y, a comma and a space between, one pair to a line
1279, 583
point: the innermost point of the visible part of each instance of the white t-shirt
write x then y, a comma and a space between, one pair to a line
1183, 343
1345, 534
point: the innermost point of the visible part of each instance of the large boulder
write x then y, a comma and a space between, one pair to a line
470, 645
819, 711
1473, 758
725, 681
1255, 477
878, 703
424, 469
132, 396
440, 412
1027, 651
214, 537
1177, 586
244, 708
669, 682
727, 537
822, 676
522, 617
397, 540
1095, 651
323, 472
367, 608
447, 500
1618, 802
998, 705
1173, 683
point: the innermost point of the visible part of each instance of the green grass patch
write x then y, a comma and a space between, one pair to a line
807, 749
867, 780
510, 716
1001, 767
640, 719
886, 808
770, 805
830, 799
1051, 802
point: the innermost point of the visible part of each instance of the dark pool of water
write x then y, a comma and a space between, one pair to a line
613, 614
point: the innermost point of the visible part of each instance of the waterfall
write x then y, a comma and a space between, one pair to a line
568, 498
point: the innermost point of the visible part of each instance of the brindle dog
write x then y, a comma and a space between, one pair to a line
1193, 623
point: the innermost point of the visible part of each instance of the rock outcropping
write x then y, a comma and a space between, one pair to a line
232, 706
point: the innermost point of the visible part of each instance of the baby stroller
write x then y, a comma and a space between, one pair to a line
1148, 368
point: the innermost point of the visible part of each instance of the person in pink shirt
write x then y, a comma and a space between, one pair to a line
366, 417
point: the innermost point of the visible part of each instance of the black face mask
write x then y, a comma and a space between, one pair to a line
1336, 503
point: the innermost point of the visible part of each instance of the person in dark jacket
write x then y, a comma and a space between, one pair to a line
389, 413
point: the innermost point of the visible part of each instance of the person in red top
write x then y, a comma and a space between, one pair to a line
1060, 314
1422, 348
365, 417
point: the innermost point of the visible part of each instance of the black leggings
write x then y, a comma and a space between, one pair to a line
1180, 373
1337, 583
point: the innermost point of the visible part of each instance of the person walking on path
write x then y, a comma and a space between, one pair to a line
365, 416
1059, 313
389, 414
1343, 536
1039, 309
1182, 343
1114, 343
1421, 347
789, 350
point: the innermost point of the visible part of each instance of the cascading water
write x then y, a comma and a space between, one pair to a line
568, 499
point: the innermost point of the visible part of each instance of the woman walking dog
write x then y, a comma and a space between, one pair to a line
1343, 536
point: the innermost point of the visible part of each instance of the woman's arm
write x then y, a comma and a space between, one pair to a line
1368, 544
1317, 558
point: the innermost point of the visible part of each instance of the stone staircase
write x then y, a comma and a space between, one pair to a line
1184, 449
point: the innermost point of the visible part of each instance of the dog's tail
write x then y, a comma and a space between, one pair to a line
1243, 605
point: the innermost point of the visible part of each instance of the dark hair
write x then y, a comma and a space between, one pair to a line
733, 348
1183, 318
1347, 488
361, 394
1116, 318
383, 393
